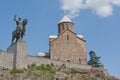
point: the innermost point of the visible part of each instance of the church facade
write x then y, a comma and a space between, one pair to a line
67, 46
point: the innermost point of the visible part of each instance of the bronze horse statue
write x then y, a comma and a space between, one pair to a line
20, 30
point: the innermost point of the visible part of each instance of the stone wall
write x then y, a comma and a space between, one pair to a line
6, 59
42, 60
68, 47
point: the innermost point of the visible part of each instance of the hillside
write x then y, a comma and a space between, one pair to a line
54, 72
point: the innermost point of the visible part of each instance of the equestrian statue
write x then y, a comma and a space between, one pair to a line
20, 30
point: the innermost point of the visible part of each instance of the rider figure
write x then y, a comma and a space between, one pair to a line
18, 24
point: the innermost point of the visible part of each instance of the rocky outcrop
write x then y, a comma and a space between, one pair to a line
55, 72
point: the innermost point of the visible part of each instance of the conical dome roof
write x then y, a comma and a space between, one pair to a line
65, 19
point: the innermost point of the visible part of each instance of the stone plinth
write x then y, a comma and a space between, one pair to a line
20, 54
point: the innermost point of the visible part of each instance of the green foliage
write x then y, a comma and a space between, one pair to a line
52, 64
32, 66
66, 78
63, 65
45, 68
44, 71
14, 70
88, 79
94, 60
73, 71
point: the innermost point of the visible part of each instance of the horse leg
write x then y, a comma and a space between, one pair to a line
22, 36
17, 37
12, 40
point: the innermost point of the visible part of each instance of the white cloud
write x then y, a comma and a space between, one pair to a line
104, 11
115, 2
102, 8
72, 7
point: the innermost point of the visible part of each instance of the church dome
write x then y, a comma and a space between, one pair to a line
65, 19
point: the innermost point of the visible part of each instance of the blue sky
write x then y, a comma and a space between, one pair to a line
100, 26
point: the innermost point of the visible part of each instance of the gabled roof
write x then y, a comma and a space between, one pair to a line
65, 19
78, 36
63, 33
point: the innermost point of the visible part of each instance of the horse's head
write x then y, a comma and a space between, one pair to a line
25, 21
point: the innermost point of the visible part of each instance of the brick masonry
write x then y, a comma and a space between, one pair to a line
68, 46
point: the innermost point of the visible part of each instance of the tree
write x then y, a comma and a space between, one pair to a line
94, 60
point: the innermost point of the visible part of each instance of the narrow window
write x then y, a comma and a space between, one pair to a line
67, 26
67, 37
79, 61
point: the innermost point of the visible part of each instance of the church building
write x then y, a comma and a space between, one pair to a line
67, 46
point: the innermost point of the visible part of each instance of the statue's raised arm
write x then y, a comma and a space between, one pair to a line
15, 18
18, 22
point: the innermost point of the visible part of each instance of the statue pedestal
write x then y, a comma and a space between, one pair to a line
20, 54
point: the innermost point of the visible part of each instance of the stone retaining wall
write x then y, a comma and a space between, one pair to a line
41, 60
6, 60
